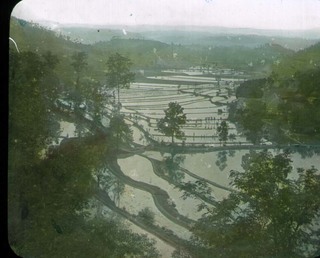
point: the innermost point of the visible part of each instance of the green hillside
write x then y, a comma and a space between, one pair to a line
214, 37
303, 60
146, 54
288, 108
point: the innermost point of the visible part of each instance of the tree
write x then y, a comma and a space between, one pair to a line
79, 64
120, 132
174, 118
269, 215
96, 98
147, 215
51, 60
223, 131
251, 118
51, 85
118, 73
31, 122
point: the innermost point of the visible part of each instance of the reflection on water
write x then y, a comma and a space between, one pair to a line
191, 180
140, 169
172, 164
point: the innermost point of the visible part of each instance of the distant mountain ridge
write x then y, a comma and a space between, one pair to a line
307, 34
244, 52
187, 35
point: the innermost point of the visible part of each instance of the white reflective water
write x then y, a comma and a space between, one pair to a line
205, 106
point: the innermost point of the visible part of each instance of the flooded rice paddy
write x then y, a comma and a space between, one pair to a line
205, 104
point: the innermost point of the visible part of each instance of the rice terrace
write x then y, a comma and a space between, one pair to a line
162, 141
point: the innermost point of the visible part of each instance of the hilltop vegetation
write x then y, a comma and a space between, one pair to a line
302, 61
151, 53
288, 101
214, 37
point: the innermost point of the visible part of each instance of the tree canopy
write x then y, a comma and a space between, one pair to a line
118, 74
271, 213
171, 124
50, 189
284, 107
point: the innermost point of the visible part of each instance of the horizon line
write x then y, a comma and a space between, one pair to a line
83, 24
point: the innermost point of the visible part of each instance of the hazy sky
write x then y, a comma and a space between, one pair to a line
267, 14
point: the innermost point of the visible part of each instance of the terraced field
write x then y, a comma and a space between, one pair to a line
149, 179
204, 103
158, 181
173, 185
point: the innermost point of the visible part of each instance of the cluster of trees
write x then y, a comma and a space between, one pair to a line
174, 119
250, 89
285, 106
50, 191
251, 119
273, 212
300, 105
93, 95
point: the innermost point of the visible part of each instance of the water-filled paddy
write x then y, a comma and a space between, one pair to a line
205, 106
140, 169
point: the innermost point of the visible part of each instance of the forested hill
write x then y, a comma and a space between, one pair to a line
296, 83
32, 37
147, 54
303, 60
284, 107
213, 36
228, 38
